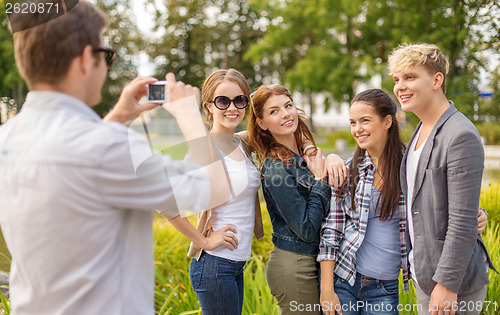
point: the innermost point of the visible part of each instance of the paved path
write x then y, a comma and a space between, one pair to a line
492, 156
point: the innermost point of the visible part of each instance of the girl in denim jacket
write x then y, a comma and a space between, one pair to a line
297, 197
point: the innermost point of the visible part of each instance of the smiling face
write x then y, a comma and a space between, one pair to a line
280, 117
368, 128
226, 121
415, 88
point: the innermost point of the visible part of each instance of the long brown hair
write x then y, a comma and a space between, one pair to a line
390, 160
261, 140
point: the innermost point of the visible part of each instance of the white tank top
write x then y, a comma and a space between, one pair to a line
239, 212
411, 173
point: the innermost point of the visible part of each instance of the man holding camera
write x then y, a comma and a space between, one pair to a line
76, 214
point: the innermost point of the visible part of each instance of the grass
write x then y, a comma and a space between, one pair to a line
257, 297
173, 291
4, 255
176, 151
490, 237
4, 304
490, 200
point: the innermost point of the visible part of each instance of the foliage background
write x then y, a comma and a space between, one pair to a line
316, 47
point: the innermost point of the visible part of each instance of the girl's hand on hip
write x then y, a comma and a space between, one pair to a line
222, 237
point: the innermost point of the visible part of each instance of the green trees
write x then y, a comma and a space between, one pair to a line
123, 36
333, 46
491, 106
11, 83
315, 46
200, 36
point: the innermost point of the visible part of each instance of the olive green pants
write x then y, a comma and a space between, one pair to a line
293, 280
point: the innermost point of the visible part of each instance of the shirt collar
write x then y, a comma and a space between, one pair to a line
52, 100
366, 163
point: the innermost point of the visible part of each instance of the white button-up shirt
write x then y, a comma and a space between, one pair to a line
75, 215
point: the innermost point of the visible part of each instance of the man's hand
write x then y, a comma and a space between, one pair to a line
482, 220
128, 108
443, 301
183, 99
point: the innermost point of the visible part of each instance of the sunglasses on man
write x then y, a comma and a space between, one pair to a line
223, 102
109, 55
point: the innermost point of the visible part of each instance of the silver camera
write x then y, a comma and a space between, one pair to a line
157, 92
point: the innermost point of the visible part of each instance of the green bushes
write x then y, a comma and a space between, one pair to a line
173, 291
490, 237
490, 200
490, 132
330, 139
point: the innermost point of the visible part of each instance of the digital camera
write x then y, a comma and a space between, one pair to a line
157, 92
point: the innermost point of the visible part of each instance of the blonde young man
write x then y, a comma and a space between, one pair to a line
75, 214
441, 178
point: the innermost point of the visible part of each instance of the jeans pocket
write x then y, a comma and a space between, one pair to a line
390, 287
196, 272
338, 280
241, 267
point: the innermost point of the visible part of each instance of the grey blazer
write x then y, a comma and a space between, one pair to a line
447, 248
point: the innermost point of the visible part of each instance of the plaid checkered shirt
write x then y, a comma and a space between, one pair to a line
343, 229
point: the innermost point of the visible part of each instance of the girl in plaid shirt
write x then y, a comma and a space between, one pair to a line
363, 241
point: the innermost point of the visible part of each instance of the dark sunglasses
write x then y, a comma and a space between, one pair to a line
223, 102
109, 55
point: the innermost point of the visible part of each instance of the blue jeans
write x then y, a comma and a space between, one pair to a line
367, 296
218, 283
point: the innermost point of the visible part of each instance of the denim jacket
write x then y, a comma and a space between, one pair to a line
296, 204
